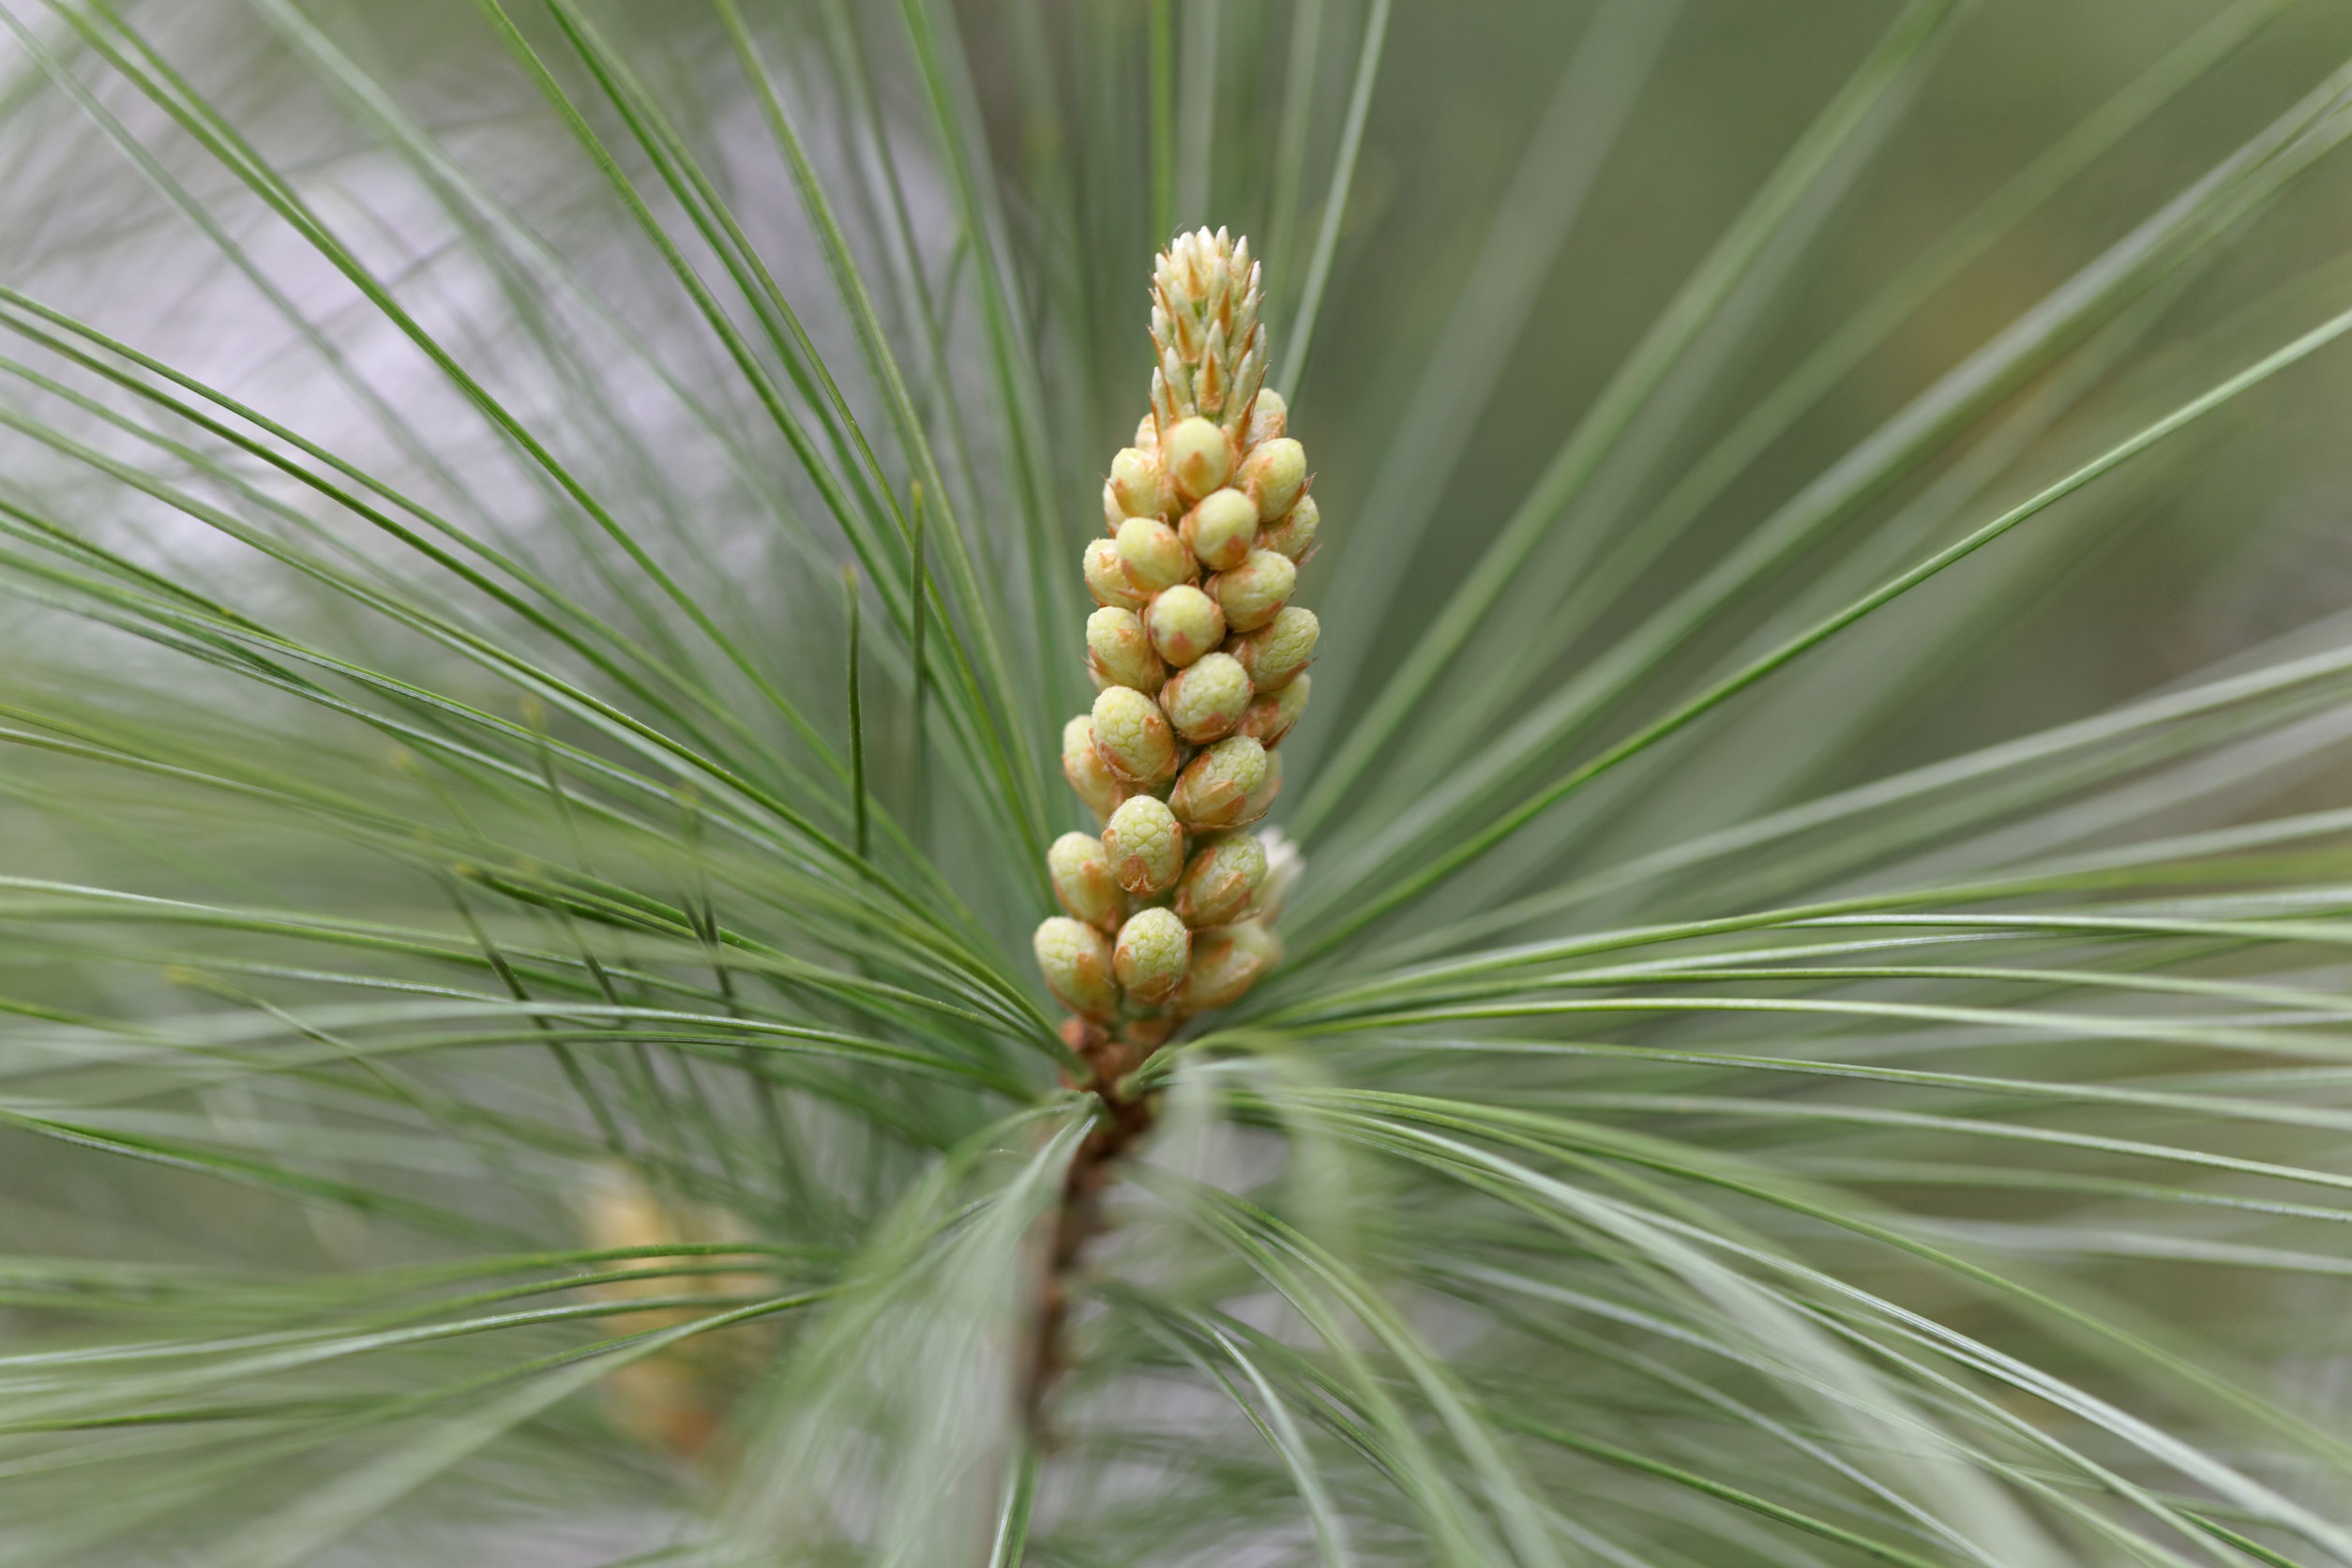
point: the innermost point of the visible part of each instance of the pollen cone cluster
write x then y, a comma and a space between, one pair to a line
1199, 660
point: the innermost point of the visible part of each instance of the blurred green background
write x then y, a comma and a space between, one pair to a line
2229, 536
1535, 185
1409, 418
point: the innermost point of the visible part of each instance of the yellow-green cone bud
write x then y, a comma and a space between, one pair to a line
1153, 556
1107, 578
1197, 458
1145, 845
1275, 652
1269, 416
1220, 883
1253, 593
1118, 654
1213, 789
1271, 717
1293, 533
1082, 881
1133, 738
1273, 475
1094, 784
1227, 962
1200, 679
1140, 485
1151, 957
1075, 959
1261, 798
1205, 701
1184, 624
1221, 529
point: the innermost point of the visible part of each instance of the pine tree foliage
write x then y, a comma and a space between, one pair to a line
541, 542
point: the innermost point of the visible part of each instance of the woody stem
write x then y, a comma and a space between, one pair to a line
1124, 1120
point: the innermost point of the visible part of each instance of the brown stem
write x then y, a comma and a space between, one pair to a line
1078, 1218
